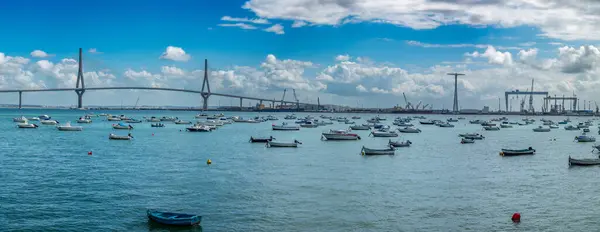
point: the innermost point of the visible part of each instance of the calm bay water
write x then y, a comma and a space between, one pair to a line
50, 183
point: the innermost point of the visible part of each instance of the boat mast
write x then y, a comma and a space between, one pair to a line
136, 103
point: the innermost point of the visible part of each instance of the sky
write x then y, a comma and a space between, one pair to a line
365, 53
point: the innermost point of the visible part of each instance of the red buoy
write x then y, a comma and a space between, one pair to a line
152, 134
516, 217
89, 152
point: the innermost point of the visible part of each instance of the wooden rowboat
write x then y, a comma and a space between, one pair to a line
175, 219
369, 151
509, 152
583, 162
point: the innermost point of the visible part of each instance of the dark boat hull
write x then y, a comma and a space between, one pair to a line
174, 219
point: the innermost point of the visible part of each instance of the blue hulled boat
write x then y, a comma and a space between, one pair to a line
175, 219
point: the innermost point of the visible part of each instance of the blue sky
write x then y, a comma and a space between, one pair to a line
387, 50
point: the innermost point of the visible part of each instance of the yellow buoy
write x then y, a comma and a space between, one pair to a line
208, 162
501, 153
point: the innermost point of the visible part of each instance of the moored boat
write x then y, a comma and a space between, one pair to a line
570, 127
132, 120
406, 143
510, 152
466, 140
282, 144
469, 134
120, 137
585, 138
427, 122
67, 127
370, 151
122, 126
474, 137
384, 134
84, 120
44, 117
26, 125
174, 219
285, 127
491, 128
360, 127
33, 119
21, 119
309, 124
182, 122
113, 118
49, 122
261, 140
409, 130
158, 124
153, 119
541, 129
339, 135
199, 128
583, 162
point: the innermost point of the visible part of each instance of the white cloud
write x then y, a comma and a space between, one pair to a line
175, 54
494, 56
297, 24
172, 71
528, 55
240, 25
428, 45
562, 19
39, 54
94, 51
247, 20
342, 57
361, 88
277, 29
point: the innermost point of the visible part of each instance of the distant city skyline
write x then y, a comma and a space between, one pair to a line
354, 53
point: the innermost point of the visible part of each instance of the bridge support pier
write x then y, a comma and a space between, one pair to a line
20, 98
80, 98
205, 101
241, 99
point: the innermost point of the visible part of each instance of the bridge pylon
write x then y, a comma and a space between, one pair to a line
80, 89
205, 85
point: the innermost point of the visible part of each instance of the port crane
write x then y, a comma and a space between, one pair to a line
408, 105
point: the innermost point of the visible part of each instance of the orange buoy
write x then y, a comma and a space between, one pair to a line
89, 152
516, 217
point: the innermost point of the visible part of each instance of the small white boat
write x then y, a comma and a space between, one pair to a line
84, 120
132, 120
44, 117
571, 127
199, 128
285, 127
409, 130
541, 129
153, 119
465, 140
49, 122
309, 124
282, 144
506, 126
370, 151
182, 122
212, 123
339, 135
27, 125
444, 124
122, 126
586, 130
203, 115
168, 119
68, 127
113, 118
120, 137
491, 128
360, 127
33, 119
384, 134
406, 143
21, 119
553, 126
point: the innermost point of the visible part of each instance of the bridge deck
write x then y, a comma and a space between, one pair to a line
146, 88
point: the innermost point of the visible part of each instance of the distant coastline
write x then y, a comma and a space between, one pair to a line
249, 109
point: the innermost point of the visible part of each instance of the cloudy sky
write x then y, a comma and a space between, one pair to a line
352, 52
